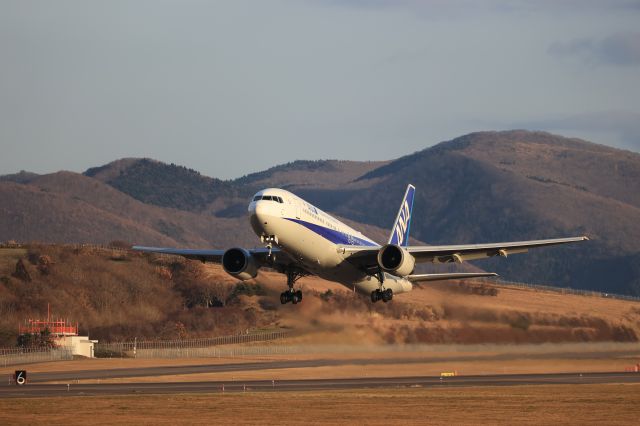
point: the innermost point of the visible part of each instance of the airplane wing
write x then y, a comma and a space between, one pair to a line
366, 256
215, 256
452, 276
195, 254
461, 253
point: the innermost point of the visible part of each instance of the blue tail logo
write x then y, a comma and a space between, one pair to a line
400, 231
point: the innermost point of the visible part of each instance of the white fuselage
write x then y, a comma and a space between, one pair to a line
312, 237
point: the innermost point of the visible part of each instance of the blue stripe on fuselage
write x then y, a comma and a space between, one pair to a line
332, 235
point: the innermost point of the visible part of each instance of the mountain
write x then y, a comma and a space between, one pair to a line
69, 207
165, 185
66, 207
481, 187
314, 174
169, 185
20, 177
520, 185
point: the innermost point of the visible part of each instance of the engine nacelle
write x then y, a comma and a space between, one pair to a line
239, 263
396, 260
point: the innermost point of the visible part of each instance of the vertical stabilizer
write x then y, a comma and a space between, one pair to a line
400, 231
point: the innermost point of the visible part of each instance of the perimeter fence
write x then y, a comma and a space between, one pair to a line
565, 290
16, 356
209, 347
26, 245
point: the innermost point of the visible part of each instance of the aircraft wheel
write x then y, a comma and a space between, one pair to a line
375, 296
284, 298
294, 298
299, 295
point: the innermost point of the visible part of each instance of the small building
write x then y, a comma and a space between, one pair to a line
63, 333
80, 345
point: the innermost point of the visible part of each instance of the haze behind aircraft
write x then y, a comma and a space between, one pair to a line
301, 240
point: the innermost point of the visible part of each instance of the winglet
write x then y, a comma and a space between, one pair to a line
400, 231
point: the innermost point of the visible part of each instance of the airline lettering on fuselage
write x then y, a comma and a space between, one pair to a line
403, 221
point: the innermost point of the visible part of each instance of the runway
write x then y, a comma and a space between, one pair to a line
219, 387
123, 373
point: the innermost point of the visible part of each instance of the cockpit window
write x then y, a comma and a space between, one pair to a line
268, 198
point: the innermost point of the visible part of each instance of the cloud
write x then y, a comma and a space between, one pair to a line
621, 49
451, 9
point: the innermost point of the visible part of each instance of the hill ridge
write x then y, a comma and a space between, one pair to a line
480, 187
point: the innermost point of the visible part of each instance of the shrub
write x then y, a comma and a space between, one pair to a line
247, 289
44, 339
522, 322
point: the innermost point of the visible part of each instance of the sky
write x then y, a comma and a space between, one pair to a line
233, 87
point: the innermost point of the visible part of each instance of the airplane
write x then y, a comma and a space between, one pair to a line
301, 240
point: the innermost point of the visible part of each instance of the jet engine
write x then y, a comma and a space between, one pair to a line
396, 260
239, 263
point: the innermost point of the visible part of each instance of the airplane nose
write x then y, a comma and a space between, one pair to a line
258, 216
260, 211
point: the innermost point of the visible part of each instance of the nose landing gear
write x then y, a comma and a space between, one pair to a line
269, 240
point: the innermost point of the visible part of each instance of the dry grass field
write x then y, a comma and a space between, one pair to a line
9, 257
456, 312
522, 405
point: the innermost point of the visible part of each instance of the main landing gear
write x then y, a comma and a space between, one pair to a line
292, 295
381, 293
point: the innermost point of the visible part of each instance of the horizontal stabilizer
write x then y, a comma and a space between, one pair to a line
452, 276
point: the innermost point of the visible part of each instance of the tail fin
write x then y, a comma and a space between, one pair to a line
400, 231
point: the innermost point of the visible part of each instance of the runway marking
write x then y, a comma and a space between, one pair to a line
49, 390
272, 365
